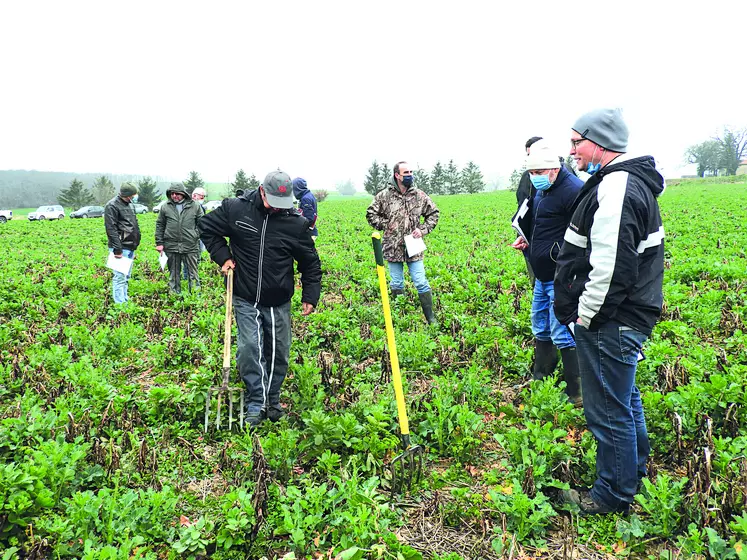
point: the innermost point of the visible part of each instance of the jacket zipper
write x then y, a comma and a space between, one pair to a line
261, 258
534, 225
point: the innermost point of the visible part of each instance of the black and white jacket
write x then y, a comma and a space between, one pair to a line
611, 266
263, 246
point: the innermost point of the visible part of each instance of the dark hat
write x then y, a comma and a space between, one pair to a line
127, 189
278, 189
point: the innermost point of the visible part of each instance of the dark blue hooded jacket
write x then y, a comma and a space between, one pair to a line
306, 203
551, 213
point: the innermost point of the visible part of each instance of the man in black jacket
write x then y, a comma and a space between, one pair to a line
123, 235
526, 190
608, 285
550, 212
266, 237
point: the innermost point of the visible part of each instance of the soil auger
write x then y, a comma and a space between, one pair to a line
224, 389
407, 467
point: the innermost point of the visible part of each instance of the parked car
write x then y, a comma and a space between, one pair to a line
139, 208
88, 212
212, 205
157, 207
5, 215
53, 212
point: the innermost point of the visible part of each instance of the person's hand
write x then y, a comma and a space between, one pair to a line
520, 244
578, 322
159, 248
308, 309
226, 265
417, 234
117, 256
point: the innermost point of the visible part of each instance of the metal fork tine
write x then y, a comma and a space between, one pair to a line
230, 410
241, 409
217, 419
207, 410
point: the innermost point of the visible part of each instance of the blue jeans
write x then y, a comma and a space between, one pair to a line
263, 352
417, 273
119, 282
607, 361
545, 325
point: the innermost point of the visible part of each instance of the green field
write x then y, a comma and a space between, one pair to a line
103, 456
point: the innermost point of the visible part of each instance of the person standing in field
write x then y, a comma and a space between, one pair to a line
123, 235
608, 285
550, 210
266, 236
306, 204
397, 211
198, 196
178, 236
527, 191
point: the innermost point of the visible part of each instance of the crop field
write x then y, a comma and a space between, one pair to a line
103, 453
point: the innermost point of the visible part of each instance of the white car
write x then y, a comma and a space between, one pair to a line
54, 212
5, 215
157, 207
212, 205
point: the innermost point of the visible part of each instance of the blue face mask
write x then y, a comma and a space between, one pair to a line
540, 182
407, 181
593, 168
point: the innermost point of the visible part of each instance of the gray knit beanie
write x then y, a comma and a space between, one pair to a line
604, 127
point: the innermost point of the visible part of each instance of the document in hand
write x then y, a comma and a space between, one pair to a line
414, 245
163, 260
521, 219
123, 265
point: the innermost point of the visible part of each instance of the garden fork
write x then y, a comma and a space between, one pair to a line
407, 467
224, 389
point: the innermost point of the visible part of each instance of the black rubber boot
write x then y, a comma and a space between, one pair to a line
397, 293
545, 358
571, 376
426, 301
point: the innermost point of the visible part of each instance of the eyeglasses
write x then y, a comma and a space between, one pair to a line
577, 141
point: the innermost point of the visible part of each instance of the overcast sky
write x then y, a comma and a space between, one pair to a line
320, 89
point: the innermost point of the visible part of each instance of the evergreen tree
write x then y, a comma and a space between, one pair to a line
422, 180
253, 182
241, 182
472, 179
193, 182
453, 183
76, 196
438, 179
372, 182
103, 190
346, 188
147, 193
386, 175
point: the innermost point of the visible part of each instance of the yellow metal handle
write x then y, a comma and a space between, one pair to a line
404, 426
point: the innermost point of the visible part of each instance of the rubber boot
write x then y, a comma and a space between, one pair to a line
571, 376
545, 358
426, 302
396, 293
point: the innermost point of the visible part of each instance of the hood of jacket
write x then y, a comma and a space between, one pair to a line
643, 167
299, 188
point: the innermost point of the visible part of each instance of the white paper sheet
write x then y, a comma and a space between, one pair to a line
414, 245
163, 260
123, 265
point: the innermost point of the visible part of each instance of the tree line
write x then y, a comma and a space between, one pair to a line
442, 179
721, 155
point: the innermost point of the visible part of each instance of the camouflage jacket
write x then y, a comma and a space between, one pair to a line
397, 215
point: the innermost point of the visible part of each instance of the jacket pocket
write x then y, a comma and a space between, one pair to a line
246, 227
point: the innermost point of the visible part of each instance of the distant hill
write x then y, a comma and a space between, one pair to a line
26, 189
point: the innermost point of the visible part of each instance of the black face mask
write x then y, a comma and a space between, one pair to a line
407, 181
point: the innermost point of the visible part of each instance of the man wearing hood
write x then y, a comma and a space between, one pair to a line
177, 234
608, 285
123, 235
306, 204
397, 211
267, 236
550, 212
